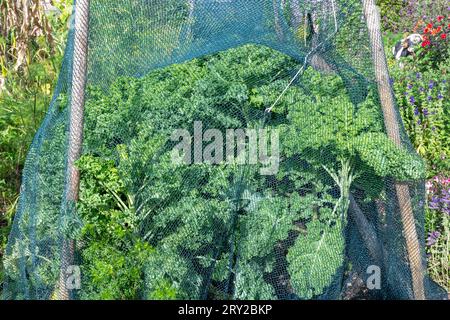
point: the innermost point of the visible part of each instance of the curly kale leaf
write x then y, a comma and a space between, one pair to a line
380, 153
331, 128
315, 258
251, 285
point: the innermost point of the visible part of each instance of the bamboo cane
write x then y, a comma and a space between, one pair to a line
75, 129
372, 15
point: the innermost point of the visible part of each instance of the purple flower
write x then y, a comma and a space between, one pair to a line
431, 85
430, 98
445, 200
421, 89
425, 112
412, 100
432, 238
444, 81
418, 75
410, 86
434, 203
440, 96
416, 112
419, 122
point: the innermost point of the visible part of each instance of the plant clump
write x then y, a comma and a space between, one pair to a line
148, 228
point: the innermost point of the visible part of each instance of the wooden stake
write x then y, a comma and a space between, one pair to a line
391, 121
366, 230
75, 130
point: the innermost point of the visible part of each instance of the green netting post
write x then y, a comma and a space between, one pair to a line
372, 14
79, 70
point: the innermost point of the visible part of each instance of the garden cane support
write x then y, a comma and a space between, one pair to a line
372, 15
75, 129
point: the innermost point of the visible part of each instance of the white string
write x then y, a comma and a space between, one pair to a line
269, 110
334, 14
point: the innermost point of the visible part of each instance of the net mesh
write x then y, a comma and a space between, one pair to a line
232, 149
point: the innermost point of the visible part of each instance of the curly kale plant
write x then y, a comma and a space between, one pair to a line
158, 230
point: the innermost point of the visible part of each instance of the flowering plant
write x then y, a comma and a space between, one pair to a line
422, 89
399, 16
436, 36
424, 103
438, 226
421, 85
438, 191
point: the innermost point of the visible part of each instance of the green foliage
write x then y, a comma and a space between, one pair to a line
402, 16
421, 86
203, 221
438, 230
111, 272
315, 258
113, 257
123, 50
340, 130
250, 284
151, 228
24, 99
381, 154
435, 48
423, 98
5, 228
164, 291
106, 208
392, 14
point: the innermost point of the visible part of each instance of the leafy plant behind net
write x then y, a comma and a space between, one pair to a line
147, 228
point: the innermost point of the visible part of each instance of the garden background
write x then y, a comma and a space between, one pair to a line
32, 39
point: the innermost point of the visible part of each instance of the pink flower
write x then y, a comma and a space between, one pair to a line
429, 186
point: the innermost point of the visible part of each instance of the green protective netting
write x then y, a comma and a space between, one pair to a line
307, 211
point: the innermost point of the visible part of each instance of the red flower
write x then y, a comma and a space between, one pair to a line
428, 30
430, 26
426, 43
440, 18
443, 36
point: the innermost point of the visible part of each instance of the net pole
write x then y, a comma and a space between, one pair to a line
79, 70
372, 16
